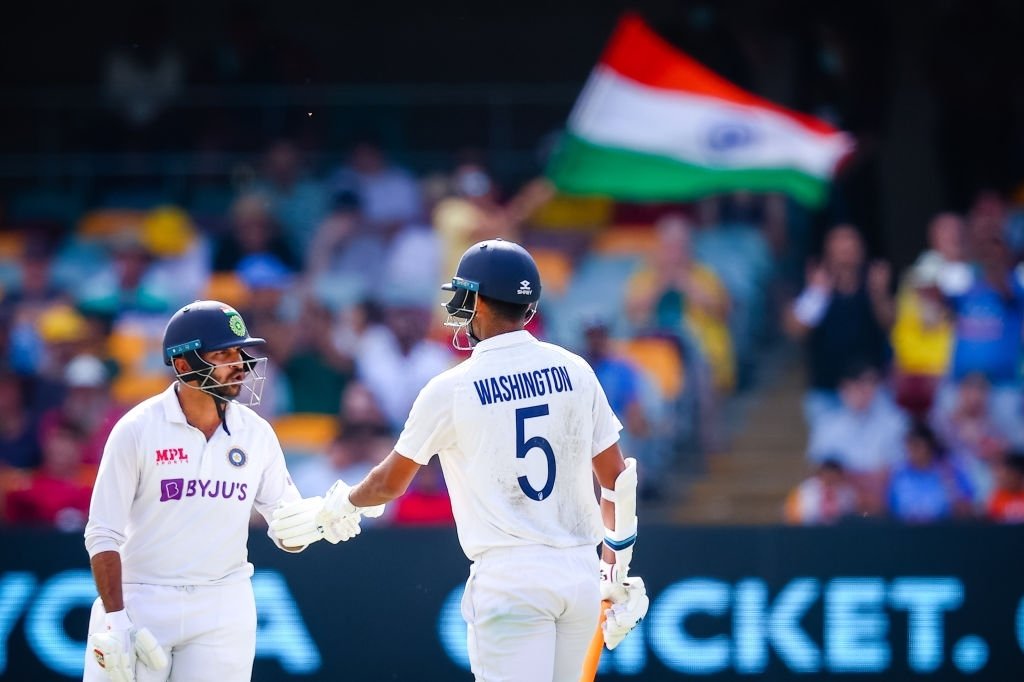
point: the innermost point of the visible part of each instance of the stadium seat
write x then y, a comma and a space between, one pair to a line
130, 388
555, 270
228, 288
638, 240
12, 245
659, 358
105, 223
305, 432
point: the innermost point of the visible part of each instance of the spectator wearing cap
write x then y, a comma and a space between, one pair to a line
58, 494
269, 309
843, 315
87, 405
624, 386
1007, 503
865, 434
19, 440
928, 487
825, 498
253, 231
181, 254
62, 332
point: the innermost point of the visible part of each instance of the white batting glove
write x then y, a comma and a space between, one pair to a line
336, 502
628, 596
118, 648
304, 522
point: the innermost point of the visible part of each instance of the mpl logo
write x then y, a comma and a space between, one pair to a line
171, 456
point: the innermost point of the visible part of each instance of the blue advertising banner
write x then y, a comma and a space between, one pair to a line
849, 603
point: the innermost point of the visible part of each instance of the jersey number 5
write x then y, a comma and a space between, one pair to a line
524, 446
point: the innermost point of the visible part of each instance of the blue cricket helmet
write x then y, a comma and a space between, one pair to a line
203, 326
496, 269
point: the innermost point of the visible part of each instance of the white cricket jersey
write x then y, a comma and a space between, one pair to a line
177, 506
516, 426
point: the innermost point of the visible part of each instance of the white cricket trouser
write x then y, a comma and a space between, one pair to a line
531, 613
207, 631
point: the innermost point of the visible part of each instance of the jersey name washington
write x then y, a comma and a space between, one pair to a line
522, 385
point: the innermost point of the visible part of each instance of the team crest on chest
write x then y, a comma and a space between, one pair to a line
237, 457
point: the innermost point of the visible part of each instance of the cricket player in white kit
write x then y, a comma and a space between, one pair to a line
169, 518
521, 428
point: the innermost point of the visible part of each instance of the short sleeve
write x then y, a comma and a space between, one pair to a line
606, 424
430, 427
276, 486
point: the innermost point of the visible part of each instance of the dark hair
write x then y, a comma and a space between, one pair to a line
1015, 462
856, 369
831, 464
921, 431
511, 312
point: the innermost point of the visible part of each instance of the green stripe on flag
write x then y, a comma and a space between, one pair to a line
581, 167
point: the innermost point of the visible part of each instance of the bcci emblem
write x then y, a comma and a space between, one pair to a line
236, 324
237, 457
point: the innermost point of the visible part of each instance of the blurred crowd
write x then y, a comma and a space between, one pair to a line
339, 270
914, 396
914, 403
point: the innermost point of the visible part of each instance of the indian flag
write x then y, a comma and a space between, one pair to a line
652, 124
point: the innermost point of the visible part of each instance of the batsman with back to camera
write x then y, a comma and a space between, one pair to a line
521, 427
169, 518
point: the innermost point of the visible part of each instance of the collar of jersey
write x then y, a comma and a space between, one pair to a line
504, 341
172, 408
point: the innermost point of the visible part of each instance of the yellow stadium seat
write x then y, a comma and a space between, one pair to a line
105, 223
227, 288
659, 358
131, 388
305, 432
128, 349
555, 269
12, 245
627, 239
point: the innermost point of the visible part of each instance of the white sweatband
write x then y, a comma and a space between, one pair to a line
118, 620
809, 308
608, 494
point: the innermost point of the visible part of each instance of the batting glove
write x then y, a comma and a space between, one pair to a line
122, 644
629, 600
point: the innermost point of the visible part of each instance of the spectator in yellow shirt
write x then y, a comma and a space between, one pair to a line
674, 292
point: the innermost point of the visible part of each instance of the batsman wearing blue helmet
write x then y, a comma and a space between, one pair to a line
169, 518
521, 428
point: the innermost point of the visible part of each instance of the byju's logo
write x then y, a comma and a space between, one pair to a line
171, 456
171, 489
179, 488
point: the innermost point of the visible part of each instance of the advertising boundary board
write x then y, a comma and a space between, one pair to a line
859, 602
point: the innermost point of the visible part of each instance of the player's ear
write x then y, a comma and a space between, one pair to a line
180, 365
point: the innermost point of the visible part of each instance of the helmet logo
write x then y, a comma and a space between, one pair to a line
524, 288
236, 324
